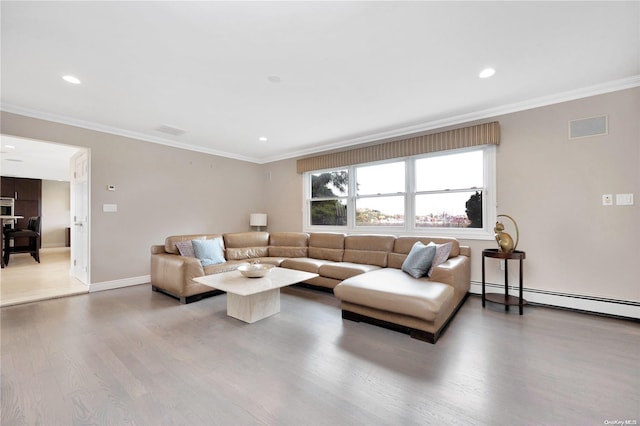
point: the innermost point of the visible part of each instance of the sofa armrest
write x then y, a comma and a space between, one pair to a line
174, 273
456, 272
157, 249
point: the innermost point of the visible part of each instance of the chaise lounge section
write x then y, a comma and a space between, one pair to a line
421, 307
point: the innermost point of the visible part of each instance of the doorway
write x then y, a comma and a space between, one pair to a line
24, 280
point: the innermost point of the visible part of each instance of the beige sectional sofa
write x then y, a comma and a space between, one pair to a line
363, 271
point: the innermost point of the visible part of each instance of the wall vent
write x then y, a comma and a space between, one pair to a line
586, 127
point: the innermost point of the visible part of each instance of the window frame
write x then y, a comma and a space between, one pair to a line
409, 228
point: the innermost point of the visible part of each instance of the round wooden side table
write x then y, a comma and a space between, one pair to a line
506, 299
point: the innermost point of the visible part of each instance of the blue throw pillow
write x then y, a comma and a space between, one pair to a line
209, 252
418, 261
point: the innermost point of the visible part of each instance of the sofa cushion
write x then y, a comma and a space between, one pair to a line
392, 290
344, 270
246, 253
419, 259
288, 244
228, 266
246, 239
209, 252
288, 251
304, 264
326, 245
368, 249
246, 245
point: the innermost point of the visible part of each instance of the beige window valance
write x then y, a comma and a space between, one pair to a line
481, 134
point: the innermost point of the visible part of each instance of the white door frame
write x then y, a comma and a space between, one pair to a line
82, 274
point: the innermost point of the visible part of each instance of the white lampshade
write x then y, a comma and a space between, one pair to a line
258, 219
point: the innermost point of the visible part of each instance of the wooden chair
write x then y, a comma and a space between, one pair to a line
32, 233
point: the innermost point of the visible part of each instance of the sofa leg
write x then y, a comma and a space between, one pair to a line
187, 299
424, 336
351, 316
416, 334
412, 332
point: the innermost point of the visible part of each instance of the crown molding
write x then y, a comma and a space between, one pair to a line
336, 144
89, 125
599, 89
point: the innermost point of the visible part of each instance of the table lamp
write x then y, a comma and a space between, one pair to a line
258, 220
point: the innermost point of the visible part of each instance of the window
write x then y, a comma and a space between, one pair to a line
329, 193
449, 193
380, 190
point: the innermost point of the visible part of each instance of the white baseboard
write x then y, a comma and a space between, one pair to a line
599, 305
52, 245
125, 282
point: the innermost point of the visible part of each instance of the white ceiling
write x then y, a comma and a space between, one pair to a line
35, 159
349, 72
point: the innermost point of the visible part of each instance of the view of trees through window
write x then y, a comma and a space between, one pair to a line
437, 191
449, 190
328, 191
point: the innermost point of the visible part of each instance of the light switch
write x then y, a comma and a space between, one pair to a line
110, 208
624, 199
607, 200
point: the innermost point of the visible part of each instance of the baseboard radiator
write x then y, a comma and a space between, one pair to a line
596, 305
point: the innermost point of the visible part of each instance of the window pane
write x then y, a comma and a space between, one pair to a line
329, 212
381, 179
330, 184
450, 210
454, 171
376, 211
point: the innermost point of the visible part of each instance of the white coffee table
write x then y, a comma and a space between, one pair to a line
252, 299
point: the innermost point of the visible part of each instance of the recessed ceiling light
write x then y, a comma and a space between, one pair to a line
10, 147
274, 79
262, 139
71, 79
486, 73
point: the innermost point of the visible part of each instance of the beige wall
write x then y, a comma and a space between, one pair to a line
553, 186
160, 191
282, 189
550, 184
55, 213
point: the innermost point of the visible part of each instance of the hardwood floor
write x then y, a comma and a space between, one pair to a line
24, 280
134, 357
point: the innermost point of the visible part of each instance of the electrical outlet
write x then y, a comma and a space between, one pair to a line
607, 200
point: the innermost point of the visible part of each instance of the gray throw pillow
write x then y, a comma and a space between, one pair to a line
442, 254
419, 259
185, 248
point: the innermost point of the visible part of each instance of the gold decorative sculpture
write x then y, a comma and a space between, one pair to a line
505, 242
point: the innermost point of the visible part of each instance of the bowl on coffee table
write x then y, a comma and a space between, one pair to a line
255, 270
